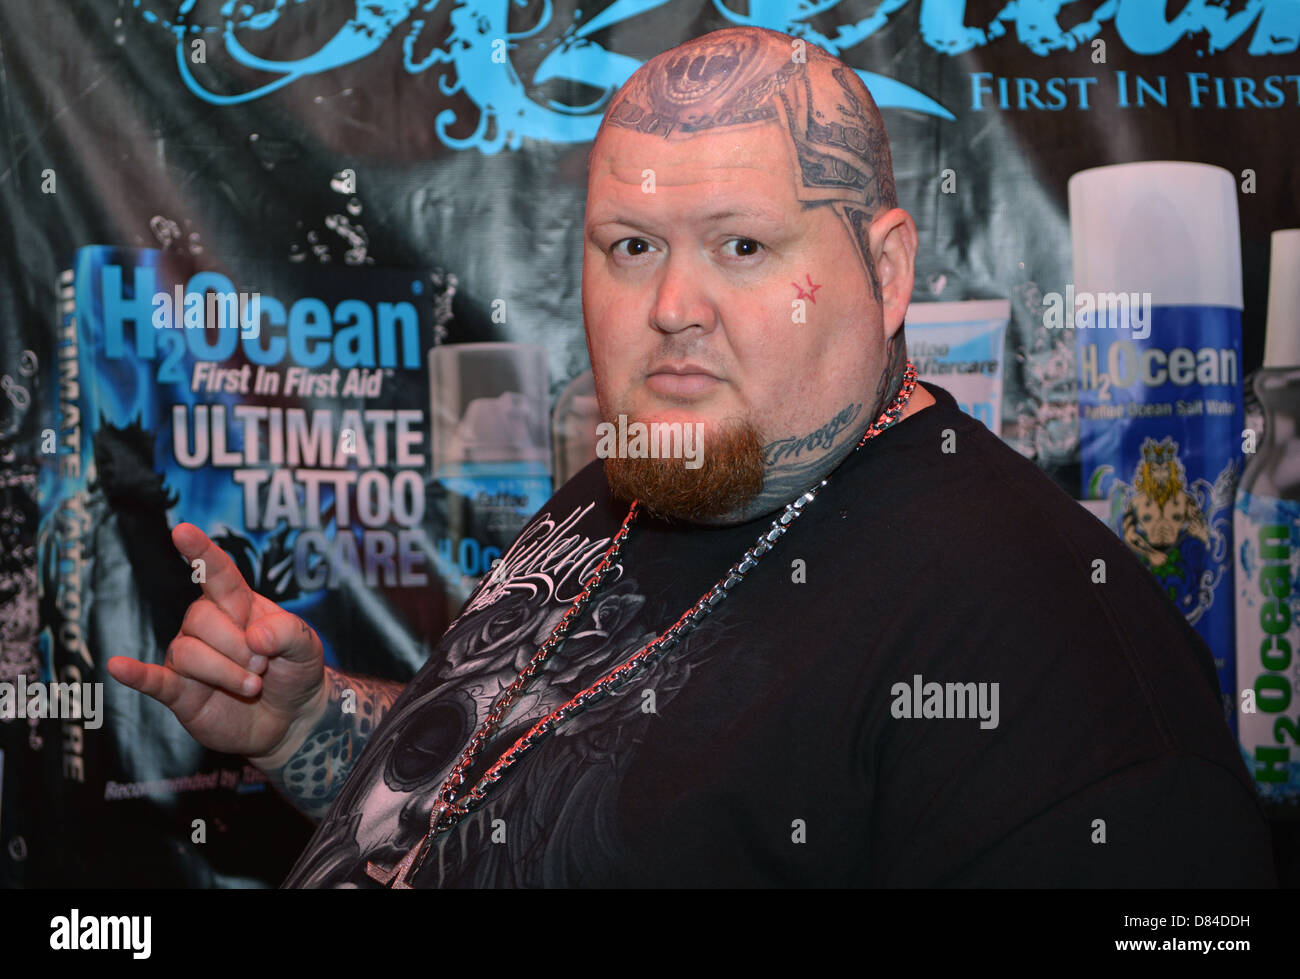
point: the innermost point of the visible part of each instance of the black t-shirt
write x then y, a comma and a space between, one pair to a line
779, 743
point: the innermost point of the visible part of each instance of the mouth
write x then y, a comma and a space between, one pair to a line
681, 379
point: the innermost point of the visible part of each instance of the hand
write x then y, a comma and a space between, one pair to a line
243, 675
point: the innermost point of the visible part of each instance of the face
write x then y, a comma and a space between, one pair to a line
689, 291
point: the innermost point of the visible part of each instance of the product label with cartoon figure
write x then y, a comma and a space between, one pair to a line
1160, 422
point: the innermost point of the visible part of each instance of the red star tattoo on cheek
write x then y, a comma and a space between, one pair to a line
812, 289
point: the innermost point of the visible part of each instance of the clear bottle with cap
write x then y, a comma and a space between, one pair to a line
492, 450
1266, 527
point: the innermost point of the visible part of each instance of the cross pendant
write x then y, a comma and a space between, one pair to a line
395, 876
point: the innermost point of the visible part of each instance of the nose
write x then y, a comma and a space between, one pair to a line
682, 299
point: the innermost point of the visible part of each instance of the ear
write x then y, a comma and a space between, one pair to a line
893, 241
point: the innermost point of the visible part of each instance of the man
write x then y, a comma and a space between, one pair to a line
892, 664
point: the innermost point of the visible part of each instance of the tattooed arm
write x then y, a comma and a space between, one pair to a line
311, 774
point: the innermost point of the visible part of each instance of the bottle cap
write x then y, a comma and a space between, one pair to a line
1282, 333
1165, 228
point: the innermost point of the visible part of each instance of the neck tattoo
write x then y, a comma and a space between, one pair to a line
449, 809
791, 464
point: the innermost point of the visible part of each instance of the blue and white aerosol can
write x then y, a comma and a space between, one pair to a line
1156, 303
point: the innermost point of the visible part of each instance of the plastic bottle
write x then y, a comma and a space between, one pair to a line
491, 446
1266, 526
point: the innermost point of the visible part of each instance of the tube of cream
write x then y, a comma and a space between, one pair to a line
959, 347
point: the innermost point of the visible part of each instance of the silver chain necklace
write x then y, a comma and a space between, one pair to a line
447, 811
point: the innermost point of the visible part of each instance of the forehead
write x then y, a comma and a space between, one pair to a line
752, 166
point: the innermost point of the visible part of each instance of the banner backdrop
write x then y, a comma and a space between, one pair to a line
307, 275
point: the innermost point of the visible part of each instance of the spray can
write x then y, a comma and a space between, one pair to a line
1266, 527
1156, 304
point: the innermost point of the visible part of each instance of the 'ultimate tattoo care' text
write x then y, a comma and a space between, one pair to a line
277, 452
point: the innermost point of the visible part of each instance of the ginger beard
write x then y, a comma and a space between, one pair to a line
729, 476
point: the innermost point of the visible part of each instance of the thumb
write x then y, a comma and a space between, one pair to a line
283, 634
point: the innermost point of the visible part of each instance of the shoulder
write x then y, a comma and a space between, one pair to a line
972, 504
581, 505
558, 547
1025, 586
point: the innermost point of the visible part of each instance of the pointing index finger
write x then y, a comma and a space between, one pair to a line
222, 581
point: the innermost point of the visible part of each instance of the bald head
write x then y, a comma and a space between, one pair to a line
745, 268
743, 77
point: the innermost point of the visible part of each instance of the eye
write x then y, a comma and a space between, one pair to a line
636, 247
746, 247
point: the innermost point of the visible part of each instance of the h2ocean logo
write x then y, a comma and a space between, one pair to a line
308, 332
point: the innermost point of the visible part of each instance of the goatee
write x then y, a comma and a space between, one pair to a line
729, 476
